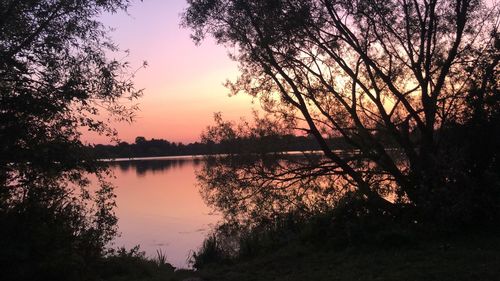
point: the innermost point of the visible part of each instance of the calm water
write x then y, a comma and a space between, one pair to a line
159, 207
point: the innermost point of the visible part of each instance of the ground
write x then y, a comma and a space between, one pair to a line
467, 257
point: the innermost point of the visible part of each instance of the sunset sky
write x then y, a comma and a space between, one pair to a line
183, 83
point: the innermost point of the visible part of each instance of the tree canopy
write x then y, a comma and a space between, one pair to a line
56, 77
412, 87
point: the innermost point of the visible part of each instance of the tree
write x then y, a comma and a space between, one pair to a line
395, 79
55, 81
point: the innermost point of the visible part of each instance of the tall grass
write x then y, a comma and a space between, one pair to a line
132, 264
211, 251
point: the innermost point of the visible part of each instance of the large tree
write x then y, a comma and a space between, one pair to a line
403, 82
55, 80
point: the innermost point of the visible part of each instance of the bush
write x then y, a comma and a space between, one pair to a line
123, 264
210, 252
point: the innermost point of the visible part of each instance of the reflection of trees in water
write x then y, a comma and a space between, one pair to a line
248, 189
142, 167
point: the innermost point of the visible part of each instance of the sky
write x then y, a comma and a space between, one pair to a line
183, 83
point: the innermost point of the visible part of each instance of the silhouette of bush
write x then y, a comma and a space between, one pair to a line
131, 264
353, 222
39, 243
212, 251
55, 80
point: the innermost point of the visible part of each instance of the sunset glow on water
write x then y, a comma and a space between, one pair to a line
160, 208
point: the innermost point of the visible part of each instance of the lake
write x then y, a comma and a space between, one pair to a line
160, 207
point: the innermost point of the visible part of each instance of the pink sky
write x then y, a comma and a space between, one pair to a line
183, 83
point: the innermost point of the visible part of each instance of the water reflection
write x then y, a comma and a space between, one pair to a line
143, 167
251, 188
159, 206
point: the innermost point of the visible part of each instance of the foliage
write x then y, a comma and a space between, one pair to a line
210, 252
122, 264
161, 258
352, 223
410, 86
467, 257
347, 236
55, 81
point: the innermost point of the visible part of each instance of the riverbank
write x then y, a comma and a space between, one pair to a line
465, 256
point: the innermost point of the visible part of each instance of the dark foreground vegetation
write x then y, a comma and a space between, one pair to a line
471, 257
56, 80
343, 245
366, 249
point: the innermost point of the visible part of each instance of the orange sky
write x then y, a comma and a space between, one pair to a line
182, 83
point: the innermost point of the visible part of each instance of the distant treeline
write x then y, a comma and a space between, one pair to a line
159, 147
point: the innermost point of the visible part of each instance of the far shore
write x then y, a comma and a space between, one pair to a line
196, 156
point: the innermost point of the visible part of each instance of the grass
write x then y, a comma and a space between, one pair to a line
468, 257
459, 258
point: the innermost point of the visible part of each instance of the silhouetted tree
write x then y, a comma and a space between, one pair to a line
140, 140
395, 79
55, 80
